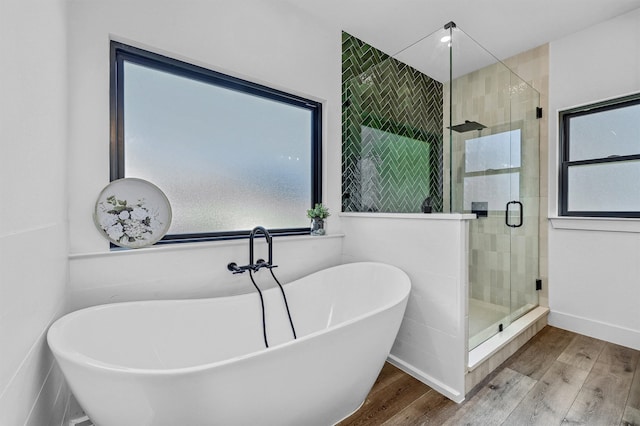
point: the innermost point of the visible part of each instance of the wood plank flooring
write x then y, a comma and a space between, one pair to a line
557, 378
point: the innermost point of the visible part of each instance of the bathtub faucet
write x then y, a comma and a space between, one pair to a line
255, 266
260, 263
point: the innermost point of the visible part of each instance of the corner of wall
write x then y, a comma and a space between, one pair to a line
33, 241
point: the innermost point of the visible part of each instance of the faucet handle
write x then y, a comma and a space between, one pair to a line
233, 267
261, 263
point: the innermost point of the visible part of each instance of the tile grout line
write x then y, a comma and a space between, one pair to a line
523, 398
564, 417
557, 359
636, 375
399, 413
573, 339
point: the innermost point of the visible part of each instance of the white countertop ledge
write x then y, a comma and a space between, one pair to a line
420, 216
203, 245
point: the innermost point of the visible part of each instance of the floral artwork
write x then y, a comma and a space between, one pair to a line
128, 223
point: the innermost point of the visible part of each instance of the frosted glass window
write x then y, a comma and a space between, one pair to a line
492, 170
230, 155
605, 187
600, 159
606, 133
493, 152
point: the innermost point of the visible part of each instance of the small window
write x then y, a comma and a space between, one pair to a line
600, 159
228, 153
492, 170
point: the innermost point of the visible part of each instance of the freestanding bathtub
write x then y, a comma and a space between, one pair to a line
204, 362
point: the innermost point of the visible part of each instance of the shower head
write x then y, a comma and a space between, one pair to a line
467, 126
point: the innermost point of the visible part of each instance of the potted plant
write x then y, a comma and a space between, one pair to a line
317, 215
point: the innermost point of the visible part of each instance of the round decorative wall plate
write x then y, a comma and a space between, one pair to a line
132, 213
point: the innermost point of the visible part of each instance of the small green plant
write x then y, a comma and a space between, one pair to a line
319, 211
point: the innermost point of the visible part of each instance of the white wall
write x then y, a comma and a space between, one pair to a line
432, 249
55, 161
33, 207
260, 41
594, 265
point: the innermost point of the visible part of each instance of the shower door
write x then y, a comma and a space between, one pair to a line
500, 183
522, 215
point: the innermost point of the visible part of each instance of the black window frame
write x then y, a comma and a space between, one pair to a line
121, 52
564, 120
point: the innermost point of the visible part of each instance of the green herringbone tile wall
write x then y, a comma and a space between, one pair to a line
391, 132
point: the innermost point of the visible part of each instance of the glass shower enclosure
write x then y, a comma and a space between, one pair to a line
444, 126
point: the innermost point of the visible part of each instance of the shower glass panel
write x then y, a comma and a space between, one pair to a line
444, 120
524, 103
494, 173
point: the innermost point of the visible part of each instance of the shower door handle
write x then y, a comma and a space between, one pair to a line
506, 216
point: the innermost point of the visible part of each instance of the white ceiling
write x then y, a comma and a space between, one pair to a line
503, 27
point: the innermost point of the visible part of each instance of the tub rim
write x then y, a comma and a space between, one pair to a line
76, 357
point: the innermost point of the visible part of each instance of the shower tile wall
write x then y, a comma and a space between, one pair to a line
495, 97
392, 133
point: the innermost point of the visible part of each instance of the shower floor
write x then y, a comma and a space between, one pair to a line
485, 317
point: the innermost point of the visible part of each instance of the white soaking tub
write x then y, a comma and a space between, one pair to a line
204, 361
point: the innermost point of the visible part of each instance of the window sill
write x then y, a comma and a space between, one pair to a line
596, 224
419, 216
164, 248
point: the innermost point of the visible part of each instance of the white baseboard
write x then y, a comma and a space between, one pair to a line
599, 330
81, 421
445, 390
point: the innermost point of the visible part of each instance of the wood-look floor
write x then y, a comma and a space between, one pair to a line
558, 377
